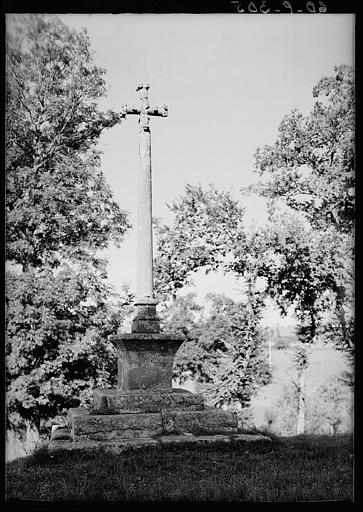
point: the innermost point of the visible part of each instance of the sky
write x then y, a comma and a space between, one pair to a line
227, 80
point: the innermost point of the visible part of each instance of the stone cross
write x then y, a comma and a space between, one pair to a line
146, 319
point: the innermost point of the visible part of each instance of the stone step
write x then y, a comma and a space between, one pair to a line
209, 421
142, 425
119, 446
115, 426
115, 401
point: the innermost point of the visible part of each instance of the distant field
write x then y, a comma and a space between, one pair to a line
325, 362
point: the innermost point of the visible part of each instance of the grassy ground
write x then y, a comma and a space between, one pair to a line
303, 468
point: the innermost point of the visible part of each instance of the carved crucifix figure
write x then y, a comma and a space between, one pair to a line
146, 319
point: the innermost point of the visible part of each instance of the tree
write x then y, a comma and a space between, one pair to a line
181, 315
57, 200
328, 409
222, 350
310, 169
60, 213
206, 225
311, 164
57, 349
331, 408
301, 362
303, 273
304, 254
231, 340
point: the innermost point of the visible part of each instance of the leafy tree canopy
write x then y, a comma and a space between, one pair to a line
57, 350
57, 200
311, 164
223, 347
206, 224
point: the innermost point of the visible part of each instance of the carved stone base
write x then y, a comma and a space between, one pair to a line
145, 360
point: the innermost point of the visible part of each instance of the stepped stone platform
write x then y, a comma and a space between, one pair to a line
144, 410
123, 419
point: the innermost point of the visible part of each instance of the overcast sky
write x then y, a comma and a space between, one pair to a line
227, 80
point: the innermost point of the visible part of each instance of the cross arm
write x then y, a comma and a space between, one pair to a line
151, 111
125, 109
158, 111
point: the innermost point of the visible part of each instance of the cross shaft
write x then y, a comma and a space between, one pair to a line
145, 319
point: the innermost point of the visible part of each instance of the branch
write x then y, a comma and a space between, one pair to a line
20, 88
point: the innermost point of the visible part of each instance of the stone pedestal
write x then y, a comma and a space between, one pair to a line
145, 409
145, 360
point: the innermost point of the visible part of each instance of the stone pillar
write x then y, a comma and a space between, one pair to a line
144, 210
145, 320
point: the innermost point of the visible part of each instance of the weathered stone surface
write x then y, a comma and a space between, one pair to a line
250, 437
146, 401
145, 360
75, 412
192, 439
61, 434
119, 446
209, 421
145, 325
118, 426
114, 447
144, 262
146, 319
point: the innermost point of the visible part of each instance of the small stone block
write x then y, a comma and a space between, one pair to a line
118, 426
75, 412
117, 401
214, 421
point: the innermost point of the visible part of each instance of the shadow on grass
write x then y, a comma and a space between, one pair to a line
303, 468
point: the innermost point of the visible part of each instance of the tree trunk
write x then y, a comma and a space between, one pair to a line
32, 437
300, 425
270, 351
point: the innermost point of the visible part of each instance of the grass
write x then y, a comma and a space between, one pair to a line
303, 468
